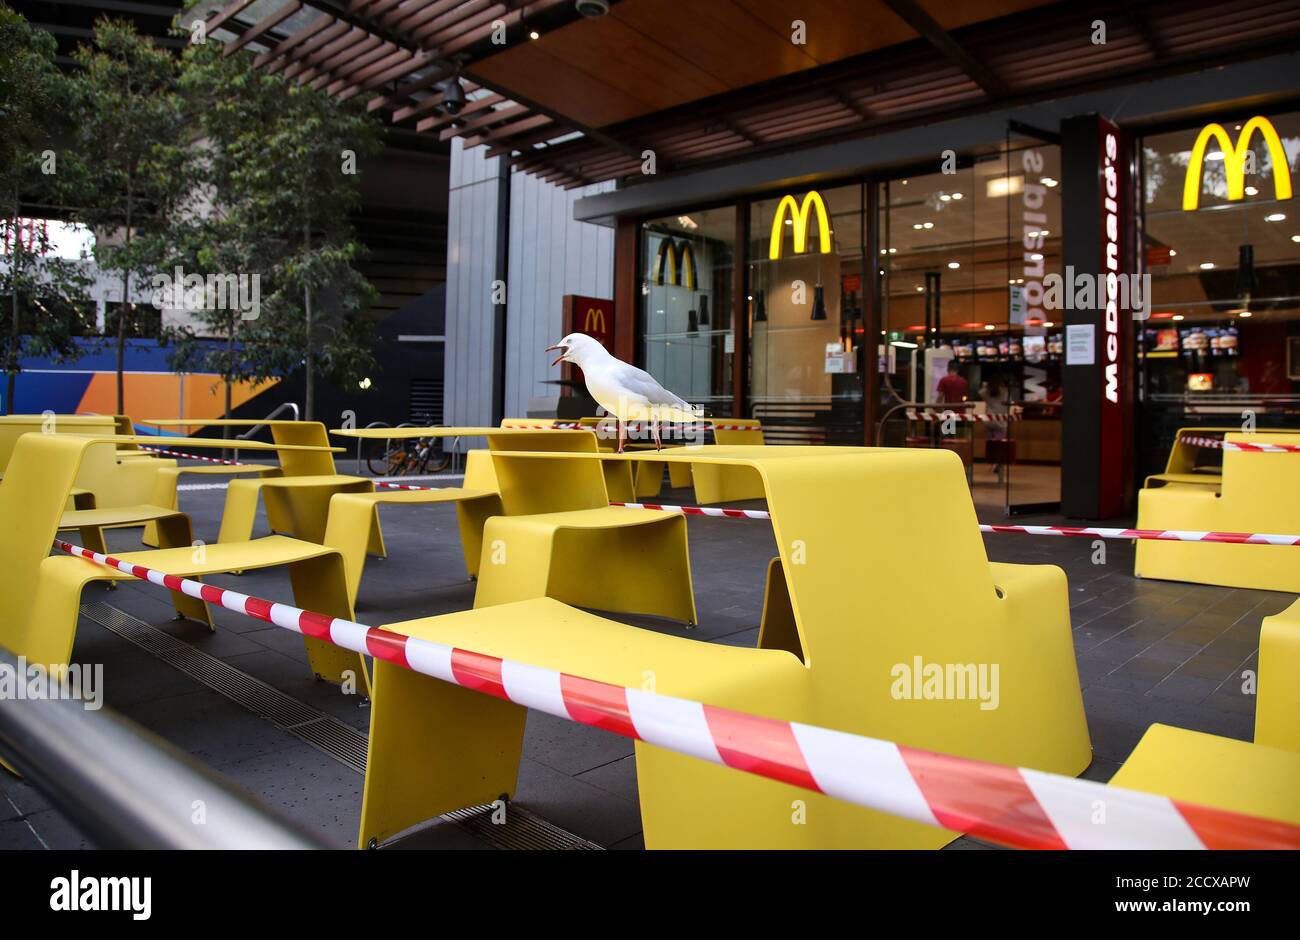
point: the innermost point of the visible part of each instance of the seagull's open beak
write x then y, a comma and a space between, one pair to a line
564, 351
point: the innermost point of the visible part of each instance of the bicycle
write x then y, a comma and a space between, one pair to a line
409, 457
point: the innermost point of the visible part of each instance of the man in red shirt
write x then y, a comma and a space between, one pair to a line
952, 387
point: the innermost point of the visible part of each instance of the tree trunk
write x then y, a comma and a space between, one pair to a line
309, 360
126, 301
11, 348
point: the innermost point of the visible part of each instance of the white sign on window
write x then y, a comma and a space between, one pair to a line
1080, 344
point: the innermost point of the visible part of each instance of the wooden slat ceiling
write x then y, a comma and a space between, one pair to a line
703, 81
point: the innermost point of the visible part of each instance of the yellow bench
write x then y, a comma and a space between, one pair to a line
840, 630
713, 484
1257, 493
1261, 778
112, 477
561, 539
1184, 464
39, 621
297, 499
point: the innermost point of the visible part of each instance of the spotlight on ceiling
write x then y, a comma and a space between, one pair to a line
453, 95
592, 8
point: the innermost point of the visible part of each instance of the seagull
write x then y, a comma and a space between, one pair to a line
623, 390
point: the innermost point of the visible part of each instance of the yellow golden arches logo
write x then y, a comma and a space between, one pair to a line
595, 321
1234, 161
799, 218
679, 259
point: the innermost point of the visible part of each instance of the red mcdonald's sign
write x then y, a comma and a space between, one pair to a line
593, 316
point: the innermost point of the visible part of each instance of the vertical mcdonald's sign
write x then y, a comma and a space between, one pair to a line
593, 316
799, 215
1235, 158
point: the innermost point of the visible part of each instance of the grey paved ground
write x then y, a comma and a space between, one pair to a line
1148, 651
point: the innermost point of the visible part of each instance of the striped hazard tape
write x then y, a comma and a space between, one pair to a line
1009, 805
933, 414
1219, 444
1096, 532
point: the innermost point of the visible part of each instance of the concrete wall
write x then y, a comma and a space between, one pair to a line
550, 255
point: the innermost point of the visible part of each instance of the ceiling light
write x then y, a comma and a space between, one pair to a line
929, 225
954, 265
1207, 265
919, 288
1243, 313
989, 326
1004, 185
1172, 253
1252, 191
893, 251
1035, 257
1295, 238
916, 226
905, 345
1048, 181
534, 35
956, 195
1179, 316
1215, 156
1048, 323
944, 197
1275, 217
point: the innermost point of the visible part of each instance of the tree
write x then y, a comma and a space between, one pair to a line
278, 168
129, 163
300, 171
46, 294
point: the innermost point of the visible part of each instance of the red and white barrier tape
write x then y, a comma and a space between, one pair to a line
177, 453
1162, 535
1008, 805
1217, 444
931, 414
611, 424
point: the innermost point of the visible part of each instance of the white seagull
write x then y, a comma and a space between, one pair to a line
626, 392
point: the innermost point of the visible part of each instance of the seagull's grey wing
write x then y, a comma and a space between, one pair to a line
640, 382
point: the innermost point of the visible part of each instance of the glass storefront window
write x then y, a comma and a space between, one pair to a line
1223, 337
964, 256
687, 266
806, 315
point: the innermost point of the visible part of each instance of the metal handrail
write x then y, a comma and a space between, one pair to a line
125, 787
248, 435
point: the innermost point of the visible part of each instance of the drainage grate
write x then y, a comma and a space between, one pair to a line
347, 745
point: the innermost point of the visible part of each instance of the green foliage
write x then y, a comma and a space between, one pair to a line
128, 169
46, 302
280, 185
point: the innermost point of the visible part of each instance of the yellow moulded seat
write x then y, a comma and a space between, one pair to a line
1257, 494
39, 621
1260, 778
843, 629
112, 476
619, 476
557, 536
1185, 462
297, 497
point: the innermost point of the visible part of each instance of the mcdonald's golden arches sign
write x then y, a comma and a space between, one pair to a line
675, 263
800, 215
1234, 160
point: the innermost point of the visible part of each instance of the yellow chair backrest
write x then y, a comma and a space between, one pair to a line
1185, 458
738, 431
531, 485
1262, 488
13, 427
300, 463
33, 494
